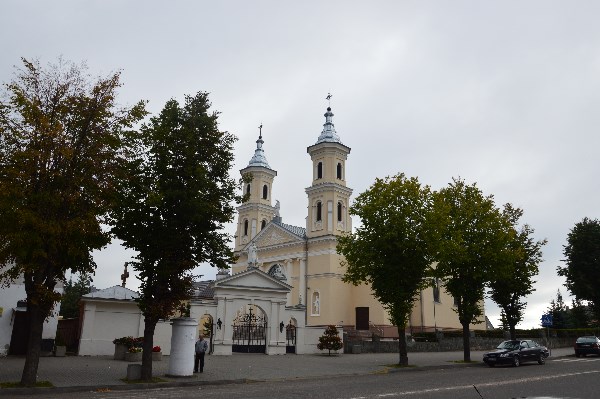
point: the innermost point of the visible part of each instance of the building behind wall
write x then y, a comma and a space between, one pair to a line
306, 257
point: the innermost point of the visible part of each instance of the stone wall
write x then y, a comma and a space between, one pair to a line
444, 345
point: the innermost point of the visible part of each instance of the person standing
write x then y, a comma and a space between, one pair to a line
201, 348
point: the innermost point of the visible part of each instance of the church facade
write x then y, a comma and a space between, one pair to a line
305, 257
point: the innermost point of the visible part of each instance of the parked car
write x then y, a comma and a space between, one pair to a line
587, 345
517, 352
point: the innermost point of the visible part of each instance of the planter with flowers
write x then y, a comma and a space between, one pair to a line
123, 344
156, 354
133, 354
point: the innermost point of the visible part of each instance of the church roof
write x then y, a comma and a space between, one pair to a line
204, 289
115, 292
328, 135
259, 158
299, 231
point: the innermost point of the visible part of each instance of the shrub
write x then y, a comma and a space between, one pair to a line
134, 349
330, 340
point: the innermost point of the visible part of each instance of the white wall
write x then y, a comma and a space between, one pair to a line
308, 338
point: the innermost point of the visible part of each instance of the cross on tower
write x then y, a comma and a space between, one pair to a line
260, 131
328, 98
124, 276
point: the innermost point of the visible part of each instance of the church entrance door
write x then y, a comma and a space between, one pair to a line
362, 318
250, 333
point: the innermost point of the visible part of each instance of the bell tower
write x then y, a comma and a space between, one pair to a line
257, 211
328, 196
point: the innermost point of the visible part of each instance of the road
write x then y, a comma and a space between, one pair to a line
563, 377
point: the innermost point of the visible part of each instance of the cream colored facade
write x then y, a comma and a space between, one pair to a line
305, 257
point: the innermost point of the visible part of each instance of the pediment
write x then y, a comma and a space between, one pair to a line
275, 235
253, 279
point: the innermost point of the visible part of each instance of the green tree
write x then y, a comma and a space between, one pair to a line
513, 280
472, 238
330, 340
582, 258
560, 312
173, 210
69, 302
62, 143
579, 314
390, 251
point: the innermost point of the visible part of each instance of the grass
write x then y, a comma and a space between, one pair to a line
153, 381
39, 384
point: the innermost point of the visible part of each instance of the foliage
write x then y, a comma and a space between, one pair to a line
390, 251
472, 238
134, 349
330, 340
73, 291
516, 268
578, 315
63, 141
173, 209
582, 258
129, 341
559, 311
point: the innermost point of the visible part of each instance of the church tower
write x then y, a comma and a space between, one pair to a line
328, 196
257, 211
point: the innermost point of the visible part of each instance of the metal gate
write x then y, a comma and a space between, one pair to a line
249, 333
290, 338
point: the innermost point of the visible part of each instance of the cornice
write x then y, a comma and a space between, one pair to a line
328, 186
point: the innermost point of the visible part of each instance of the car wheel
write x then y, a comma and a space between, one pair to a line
516, 361
541, 359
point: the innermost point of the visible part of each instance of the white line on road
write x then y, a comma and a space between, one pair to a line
485, 384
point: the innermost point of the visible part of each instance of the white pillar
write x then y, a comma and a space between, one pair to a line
288, 280
183, 339
302, 277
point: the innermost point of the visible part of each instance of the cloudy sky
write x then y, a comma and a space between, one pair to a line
504, 94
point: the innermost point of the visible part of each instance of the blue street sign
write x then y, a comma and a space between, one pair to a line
547, 320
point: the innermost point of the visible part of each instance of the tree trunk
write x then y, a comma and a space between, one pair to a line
466, 342
513, 332
36, 317
149, 326
402, 351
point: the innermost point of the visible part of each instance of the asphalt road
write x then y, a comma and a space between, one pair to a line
564, 377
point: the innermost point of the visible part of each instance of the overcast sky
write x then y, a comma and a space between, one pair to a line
504, 94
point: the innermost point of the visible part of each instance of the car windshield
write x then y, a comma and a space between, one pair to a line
512, 345
586, 340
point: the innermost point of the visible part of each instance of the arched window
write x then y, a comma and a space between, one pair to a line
319, 206
263, 224
320, 170
339, 211
265, 191
248, 189
246, 227
339, 171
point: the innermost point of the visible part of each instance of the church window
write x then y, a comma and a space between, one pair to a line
319, 206
339, 212
248, 189
265, 191
339, 171
320, 170
436, 290
263, 224
315, 304
246, 227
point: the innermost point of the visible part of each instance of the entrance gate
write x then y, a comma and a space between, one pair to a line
249, 333
290, 338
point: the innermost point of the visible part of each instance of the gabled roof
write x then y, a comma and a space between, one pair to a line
299, 231
255, 279
204, 289
114, 292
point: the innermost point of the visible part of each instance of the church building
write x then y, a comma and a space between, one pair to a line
305, 258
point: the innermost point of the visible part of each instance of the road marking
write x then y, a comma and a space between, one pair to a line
485, 384
576, 360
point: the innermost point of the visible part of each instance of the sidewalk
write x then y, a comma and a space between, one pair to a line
102, 371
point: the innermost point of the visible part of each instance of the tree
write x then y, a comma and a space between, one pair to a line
560, 312
471, 240
173, 210
390, 251
582, 258
73, 291
62, 143
330, 340
512, 280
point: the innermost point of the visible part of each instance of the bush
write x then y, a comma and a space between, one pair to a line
330, 340
129, 342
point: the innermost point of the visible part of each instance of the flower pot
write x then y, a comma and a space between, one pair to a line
60, 351
120, 351
156, 356
133, 356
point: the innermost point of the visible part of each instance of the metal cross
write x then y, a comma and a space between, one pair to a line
260, 131
328, 98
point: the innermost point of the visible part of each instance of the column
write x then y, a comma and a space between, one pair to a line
302, 277
288, 280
